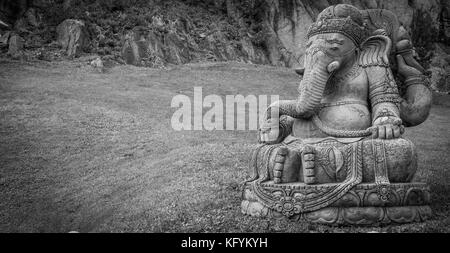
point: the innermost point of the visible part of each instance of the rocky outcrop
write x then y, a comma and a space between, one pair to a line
73, 37
145, 47
4, 39
180, 31
174, 44
253, 53
16, 43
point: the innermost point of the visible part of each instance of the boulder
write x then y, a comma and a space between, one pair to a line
98, 64
73, 37
15, 46
4, 39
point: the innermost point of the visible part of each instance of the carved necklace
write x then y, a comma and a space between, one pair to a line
335, 80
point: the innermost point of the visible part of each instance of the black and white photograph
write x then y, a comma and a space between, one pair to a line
245, 118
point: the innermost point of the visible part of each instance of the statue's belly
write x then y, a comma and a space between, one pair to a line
339, 117
347, 116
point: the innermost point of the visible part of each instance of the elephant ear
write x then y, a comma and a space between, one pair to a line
375, 51
380, 19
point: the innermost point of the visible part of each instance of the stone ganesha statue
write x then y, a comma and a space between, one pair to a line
335, 155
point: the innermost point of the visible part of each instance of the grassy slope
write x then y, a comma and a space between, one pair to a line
88, 151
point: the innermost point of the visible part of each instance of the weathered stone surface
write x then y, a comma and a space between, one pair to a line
15, 45
176, 50
157, 47
253, 53
357, 207
97, 64
4, 39
220, 51
73, 37
364, 194
143, 47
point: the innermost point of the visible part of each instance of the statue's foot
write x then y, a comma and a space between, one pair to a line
307, 157
280, 158
287, 166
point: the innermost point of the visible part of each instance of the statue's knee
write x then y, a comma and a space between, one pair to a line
399, 156
401, 160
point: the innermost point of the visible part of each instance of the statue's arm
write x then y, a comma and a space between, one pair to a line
288, 108
383, 92
385, 102
275, 128
279, 119
383, 95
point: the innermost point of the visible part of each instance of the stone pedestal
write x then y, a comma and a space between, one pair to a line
364, 204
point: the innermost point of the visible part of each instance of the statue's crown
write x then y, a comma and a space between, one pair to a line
341, 18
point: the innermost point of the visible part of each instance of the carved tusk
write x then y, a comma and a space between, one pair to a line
300, 71
333, 66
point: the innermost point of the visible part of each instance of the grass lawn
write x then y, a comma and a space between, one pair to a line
95, 152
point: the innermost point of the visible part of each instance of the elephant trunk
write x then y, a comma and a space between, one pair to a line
416, 104
319, 69
312, 86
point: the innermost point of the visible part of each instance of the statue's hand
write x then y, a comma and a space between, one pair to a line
387, 128
270, 131
406, 70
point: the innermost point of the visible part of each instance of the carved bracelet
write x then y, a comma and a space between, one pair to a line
417, 79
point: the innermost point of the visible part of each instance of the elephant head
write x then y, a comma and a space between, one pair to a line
332, 45
325, 54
